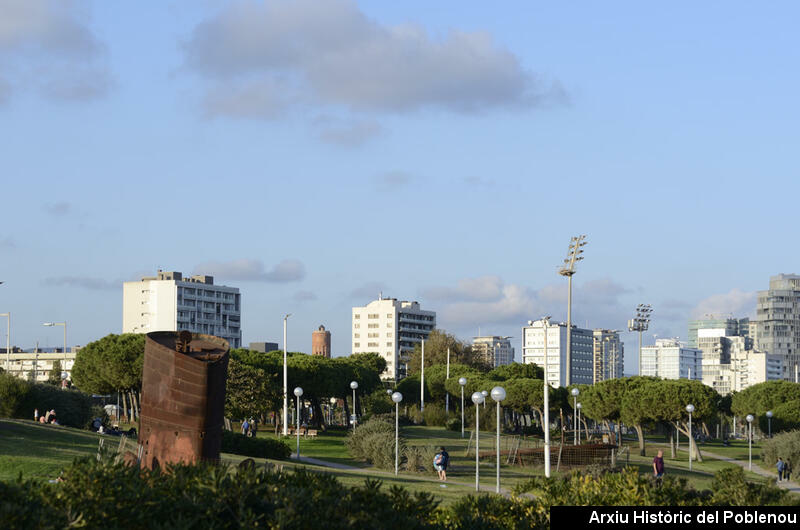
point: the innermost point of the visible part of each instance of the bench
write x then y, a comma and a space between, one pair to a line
312, 433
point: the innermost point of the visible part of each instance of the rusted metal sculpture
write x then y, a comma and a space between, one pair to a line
183, 398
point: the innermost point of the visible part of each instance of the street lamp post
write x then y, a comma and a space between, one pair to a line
579, 423
462, 381
422, 379
749, 419
769, 423
640, 323
298, 392
575, 393
397, 397
485, 394
690, 409
8, 340
285, 381
498, 394
546, 398
64, 324
354, 385
568, 270
447, 394
477, 398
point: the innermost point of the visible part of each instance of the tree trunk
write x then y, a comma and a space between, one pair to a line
124, 407
694, 449
640, 435
319, 418
135, 404
672, 435
346, 414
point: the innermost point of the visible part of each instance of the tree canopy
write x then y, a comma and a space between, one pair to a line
111, 363
781, 397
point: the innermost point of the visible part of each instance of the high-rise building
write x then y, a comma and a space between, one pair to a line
581, 369
608, 355
670, 359
169, 302
493, 350
391, 328
778, 321
732, 327
321, 342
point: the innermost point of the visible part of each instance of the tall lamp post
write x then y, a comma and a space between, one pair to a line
640, 323
477, 398
285, 382
462, 381
447, 394
354, 385
690, 409
769, 423
8, 340
749, 419
49, 324
397, 397
546, 397
498, 394
422, 379
579, 423
485, 394
568, 270
298, 392
575, 393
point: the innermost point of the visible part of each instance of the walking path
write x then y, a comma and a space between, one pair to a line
785, 484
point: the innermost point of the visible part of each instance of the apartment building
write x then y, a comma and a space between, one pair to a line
778, 321
670, 359
170, 302
533, 350
608, 355
391, 328
493, 350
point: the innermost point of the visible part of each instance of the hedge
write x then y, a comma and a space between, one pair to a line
239, 444
19, 398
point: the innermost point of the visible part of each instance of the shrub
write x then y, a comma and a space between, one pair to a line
784, 445
378, 402
239, 444
12, 393
419, 458
487, 416
373, 442
18, 399
731, 489
453, 424
434, 415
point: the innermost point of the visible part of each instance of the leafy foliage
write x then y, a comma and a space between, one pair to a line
19, 398
785, 445
373, 442
239, 444
110, 364
781, 397
54, 377
436, 347
247, 392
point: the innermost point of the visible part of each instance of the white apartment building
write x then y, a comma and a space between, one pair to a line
750, 367
778, 321
730, 363
170, 302
36, 365
495, 351
669, 359
391, 328
608, 355
533, 350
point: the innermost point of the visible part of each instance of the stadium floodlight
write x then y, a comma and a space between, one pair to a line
568, 269
640, 323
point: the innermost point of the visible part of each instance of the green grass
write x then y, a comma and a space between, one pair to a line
327, 446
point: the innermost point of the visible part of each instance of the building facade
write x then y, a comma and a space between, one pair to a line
669, 359
493, 350
533, 350
778, 321
391, 328
170, 302
321, 342
732, 327
264, 347
36, 365
608, 355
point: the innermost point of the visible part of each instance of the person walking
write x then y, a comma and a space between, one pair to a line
787, 470
781, 466
658, 467
245, 427
440, 463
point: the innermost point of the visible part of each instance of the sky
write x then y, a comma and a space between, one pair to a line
317, 153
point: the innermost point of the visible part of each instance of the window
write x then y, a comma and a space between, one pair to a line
389, 315
388, 344
389, 325
372, 345
356, 335
356, 345
356, 316
372, 335
373, 315
372, 326
388, 334
356, 326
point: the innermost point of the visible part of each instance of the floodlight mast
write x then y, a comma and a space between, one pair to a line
640, 323
568, 269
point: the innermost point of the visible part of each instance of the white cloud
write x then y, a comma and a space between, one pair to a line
58, 209
48, 46
331, 53
288, 270
735, 302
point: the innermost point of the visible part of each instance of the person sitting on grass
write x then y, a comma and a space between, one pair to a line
440, 462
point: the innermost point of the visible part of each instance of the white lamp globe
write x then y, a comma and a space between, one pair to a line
498, 393
484, 393
298, 391
354, 385
579, 405
769, 414
389, 391
749, 418
397, 397
689, 408
462, 381
477, 398
575, 392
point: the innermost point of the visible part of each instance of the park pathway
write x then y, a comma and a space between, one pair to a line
785, 484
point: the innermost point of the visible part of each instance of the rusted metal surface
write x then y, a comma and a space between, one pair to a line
183, 397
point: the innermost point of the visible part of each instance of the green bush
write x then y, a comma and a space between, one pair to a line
378, 402
434, 415
419, 458
239, 444
12, 393
488, 417
731, 489
373, 442
453, 424
784, 445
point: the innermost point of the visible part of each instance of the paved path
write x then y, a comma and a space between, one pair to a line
785, 484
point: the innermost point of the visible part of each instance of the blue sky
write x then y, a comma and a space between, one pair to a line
315, 153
